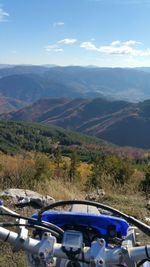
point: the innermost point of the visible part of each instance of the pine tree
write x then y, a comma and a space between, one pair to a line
58, 157
95, 179
73, 171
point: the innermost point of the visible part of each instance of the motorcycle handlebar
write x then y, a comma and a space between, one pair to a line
29, 244
112, 255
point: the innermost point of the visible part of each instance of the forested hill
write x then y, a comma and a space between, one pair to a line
18, 137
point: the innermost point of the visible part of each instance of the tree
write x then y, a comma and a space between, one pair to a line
58, 163
58, 157
95, 179
73, 171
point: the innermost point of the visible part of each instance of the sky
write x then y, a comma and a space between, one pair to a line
104, 33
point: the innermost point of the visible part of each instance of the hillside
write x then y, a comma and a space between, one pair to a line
115, 121
71, 113
16, 138
30, 83
133, 129
10, 104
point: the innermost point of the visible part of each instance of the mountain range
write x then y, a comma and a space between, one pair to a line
30, 83
109, 103
119, 122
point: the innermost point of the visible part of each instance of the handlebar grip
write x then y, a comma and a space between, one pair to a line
7, 235
29, 244
140, 253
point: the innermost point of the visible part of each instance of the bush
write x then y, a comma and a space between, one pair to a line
42, 169
111, 169
145, 184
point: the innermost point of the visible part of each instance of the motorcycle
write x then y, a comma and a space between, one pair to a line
77, 238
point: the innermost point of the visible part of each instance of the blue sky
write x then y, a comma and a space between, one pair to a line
109, 33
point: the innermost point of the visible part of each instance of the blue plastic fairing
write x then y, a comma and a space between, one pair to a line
99, 222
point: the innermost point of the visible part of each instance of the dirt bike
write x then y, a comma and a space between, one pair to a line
77, 238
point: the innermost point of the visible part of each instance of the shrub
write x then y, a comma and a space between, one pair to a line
145, 184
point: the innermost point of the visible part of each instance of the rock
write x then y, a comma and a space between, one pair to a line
147, 219
24, 197
94, 196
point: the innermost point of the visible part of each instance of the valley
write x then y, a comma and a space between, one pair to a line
117, 122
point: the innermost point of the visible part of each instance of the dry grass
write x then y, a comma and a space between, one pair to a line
134, 205
60, 190
126, 199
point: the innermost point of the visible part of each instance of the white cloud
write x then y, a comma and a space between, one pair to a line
114, 43
58, 24
128, 43
53, 48
67, 41
3, 15
88, 46
132, 42
57, 46
118, 48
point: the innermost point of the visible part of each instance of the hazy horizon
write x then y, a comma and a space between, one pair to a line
56, 65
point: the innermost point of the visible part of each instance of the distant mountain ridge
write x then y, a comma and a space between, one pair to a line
30, 83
